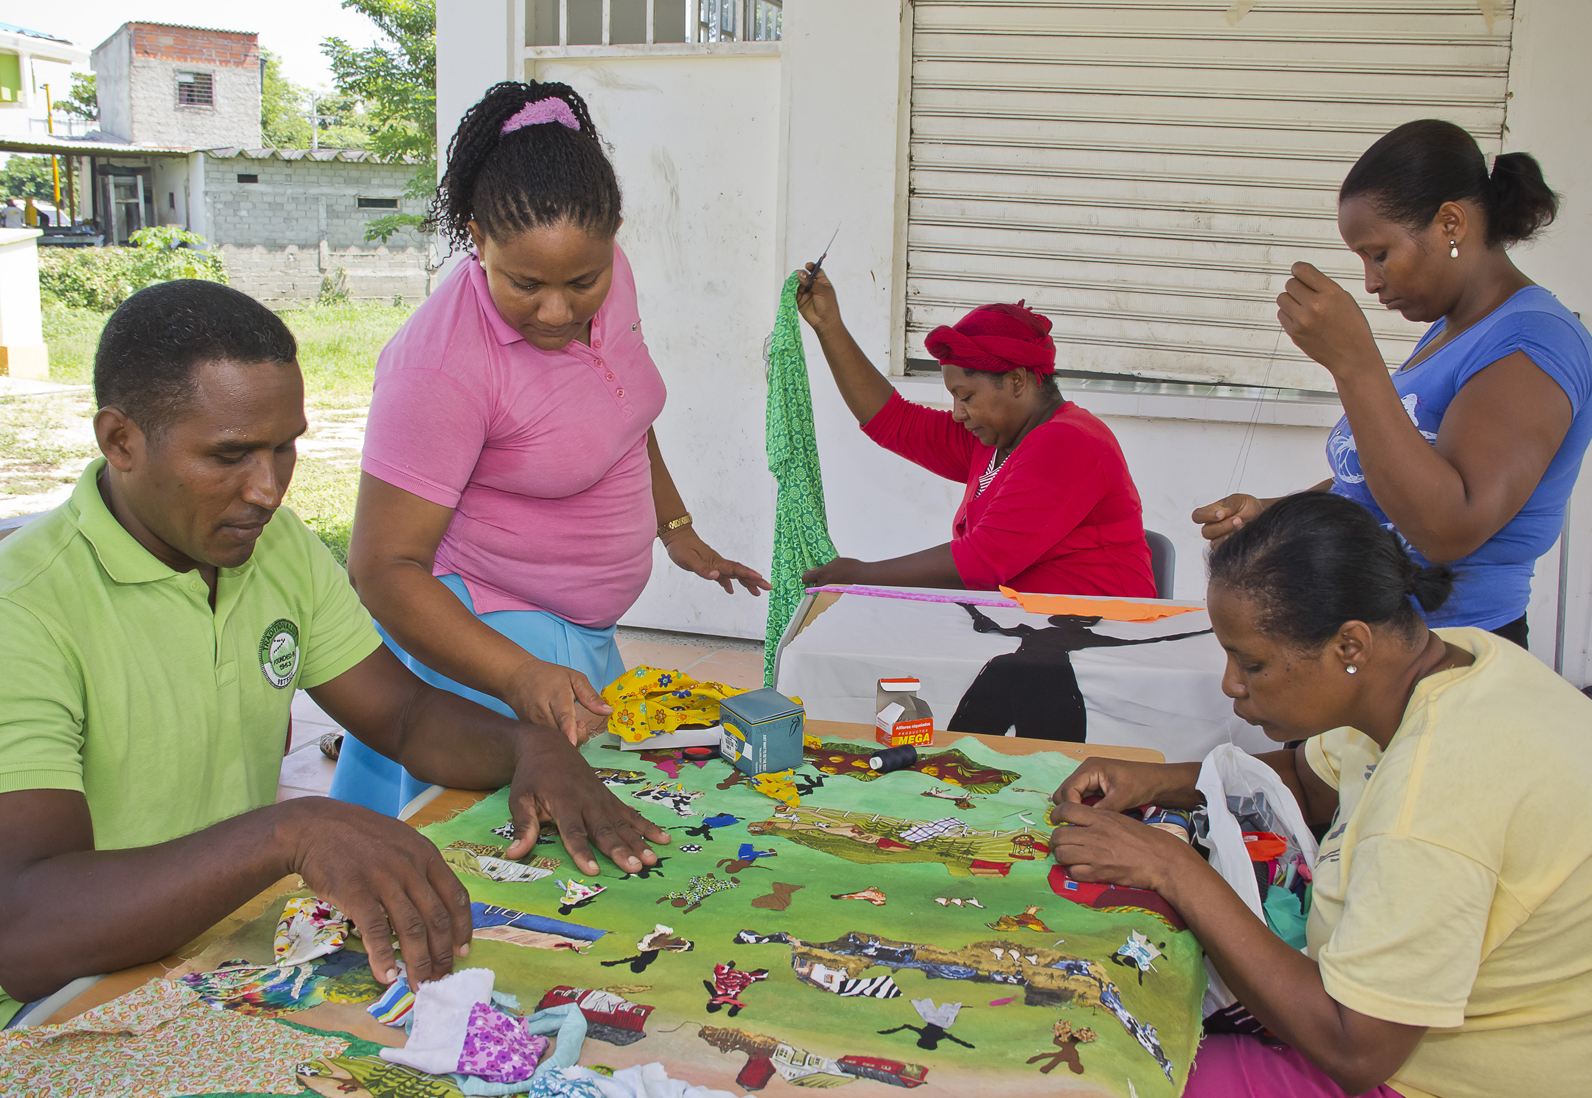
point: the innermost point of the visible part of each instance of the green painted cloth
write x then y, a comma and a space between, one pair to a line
801, 528
826, 921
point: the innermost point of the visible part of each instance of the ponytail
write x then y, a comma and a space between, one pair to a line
1519, 201
1430, 586
535, 175
1410, 172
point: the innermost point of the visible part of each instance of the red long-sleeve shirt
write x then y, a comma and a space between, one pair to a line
1061, 516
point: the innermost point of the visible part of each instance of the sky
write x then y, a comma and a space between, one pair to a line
291, 29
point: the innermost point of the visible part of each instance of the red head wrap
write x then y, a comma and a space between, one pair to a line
996, 338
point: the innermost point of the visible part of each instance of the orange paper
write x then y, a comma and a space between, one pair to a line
1110, 609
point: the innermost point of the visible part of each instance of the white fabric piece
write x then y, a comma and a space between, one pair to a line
440, 1017
1166, 696
642, 1081
943, 1015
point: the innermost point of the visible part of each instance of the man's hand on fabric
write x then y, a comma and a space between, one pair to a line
560, 697
386, 877
554, 784
690, 552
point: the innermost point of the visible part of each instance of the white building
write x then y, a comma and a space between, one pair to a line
1141, 174
30, 62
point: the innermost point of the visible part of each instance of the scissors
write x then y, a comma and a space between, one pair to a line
812, 278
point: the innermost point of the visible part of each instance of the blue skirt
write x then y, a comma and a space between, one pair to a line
375, 781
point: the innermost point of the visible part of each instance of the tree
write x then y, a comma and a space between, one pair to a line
27, 177
284, 123
83, 100
397, 83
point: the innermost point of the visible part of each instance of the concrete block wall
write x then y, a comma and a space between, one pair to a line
234, 119
300, 202
294, 275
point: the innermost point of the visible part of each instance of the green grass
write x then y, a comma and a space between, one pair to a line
338, 345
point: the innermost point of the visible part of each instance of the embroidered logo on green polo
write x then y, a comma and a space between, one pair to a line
279, 652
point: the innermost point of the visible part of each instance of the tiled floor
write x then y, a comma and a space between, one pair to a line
308, 773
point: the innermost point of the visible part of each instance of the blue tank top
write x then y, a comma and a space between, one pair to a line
1493, 584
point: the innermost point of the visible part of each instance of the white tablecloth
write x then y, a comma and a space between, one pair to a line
1165, 695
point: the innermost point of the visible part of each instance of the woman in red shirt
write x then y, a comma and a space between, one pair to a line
1049, 505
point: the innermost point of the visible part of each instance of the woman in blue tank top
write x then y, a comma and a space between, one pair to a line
1470, 449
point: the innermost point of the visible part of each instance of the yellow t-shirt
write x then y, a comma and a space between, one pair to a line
1454, 889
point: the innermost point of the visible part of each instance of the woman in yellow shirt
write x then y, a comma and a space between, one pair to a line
1450, 934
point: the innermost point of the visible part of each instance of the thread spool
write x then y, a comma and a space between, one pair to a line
894, 758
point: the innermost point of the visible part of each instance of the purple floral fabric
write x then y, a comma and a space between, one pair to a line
497, 1048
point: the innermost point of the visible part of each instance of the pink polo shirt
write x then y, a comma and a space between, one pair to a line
541, 454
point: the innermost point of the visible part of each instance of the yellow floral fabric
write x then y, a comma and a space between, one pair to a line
778, 786
648, 701
158, 1040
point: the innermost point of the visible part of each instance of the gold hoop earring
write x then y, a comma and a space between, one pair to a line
1453, 250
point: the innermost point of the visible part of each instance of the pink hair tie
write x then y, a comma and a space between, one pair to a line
551, 109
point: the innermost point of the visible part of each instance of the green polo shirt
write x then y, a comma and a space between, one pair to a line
118, 680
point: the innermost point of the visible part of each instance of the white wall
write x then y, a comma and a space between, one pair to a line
112, 62
23, 353
694, 142
1554, 125
696, 147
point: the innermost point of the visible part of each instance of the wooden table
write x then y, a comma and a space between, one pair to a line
449, 803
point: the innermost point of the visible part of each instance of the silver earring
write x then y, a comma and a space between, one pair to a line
1352, 669
1453, 250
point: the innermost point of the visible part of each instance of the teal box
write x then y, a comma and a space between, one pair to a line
762, 731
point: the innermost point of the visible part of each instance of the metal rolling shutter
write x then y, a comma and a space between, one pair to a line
1144, 173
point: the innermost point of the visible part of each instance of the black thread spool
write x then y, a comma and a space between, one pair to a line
894, 758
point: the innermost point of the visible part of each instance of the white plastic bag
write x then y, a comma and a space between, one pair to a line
1229, 771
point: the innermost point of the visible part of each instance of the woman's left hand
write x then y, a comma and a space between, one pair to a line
693, 554
1100, 845
1326, 323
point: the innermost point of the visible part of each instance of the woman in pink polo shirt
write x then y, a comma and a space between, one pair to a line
511, 485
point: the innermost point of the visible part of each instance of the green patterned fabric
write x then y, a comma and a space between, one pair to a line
801, 529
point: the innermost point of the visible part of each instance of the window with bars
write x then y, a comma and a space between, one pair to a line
377, 203
651, 22
195, 89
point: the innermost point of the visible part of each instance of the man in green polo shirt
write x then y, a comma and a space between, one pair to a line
153, 629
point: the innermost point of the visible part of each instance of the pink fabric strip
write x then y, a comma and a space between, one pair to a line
976, 598
551, 109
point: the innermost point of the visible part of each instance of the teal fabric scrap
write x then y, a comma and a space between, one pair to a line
801, 527
567, 1022
1287, 916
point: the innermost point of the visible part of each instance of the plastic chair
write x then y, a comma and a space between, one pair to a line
1163, 562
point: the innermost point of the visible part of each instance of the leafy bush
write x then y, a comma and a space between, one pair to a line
103, 278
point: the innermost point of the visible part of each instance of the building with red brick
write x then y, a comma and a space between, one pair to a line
161, 84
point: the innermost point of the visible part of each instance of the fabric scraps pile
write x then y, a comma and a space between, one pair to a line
1281, 870
649, 702
457, 1028
155, 1036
